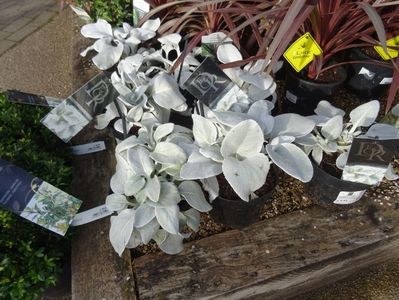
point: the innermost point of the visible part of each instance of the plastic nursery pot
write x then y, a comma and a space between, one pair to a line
302, 95
325, 189
366, 80
238, 214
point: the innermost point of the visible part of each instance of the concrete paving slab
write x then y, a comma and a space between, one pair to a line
40, 64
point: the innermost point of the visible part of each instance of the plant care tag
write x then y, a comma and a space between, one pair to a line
366, 73
72, 115
210, 85
291, 97
91, 215
302, 52
36, 200
368, 160
32, 99
345, 198
392, 52
88, 148
386, 80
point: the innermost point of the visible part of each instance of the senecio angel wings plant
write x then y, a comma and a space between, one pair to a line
233, 144
332, 135
148, 189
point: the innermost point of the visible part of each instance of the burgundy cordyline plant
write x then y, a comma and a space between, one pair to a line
339, 25
258, 28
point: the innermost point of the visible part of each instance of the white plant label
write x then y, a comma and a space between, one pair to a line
291, 97
386, 80
141, 5
88, 148
91, 215
367, 73
345, 198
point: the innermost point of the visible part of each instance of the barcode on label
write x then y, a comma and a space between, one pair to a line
349, 197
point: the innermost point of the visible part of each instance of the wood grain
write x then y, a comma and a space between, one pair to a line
97, 271
277, 258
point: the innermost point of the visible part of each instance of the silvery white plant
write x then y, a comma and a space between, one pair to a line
147, 189
112, 43
333, 135
232, 143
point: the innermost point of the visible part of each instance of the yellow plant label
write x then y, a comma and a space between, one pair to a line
302, 52
392, 53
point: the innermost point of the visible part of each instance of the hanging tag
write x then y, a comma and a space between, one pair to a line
392, 53
345, 198
91, 215
88, 148
72, 115
302, 52
32, 99
36, 200
368, 160
210, 85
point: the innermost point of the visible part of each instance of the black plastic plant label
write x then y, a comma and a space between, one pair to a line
368, 160
96, 94
208, 83
36, 200
32, 99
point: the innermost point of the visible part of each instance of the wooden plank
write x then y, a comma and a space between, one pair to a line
97, 271
277, 258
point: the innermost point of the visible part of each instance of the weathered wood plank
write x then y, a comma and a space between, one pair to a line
97, 271
276, 258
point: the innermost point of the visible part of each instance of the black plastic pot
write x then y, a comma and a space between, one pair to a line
238, 213
302, 95
369, 85
325, 188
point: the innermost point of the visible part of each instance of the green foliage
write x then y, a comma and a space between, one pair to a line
30, 256
113, 11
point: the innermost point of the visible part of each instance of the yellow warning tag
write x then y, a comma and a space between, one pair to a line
302, 52
392, 53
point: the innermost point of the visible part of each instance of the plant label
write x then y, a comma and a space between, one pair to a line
88, 148
386, 80
302, 52
369, 159
291, 97
392, 52
91, 215
32, 99
36, 200
345, 198
140, 8
210, 85
72, 115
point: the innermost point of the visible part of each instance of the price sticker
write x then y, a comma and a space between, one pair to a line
392, 53
302, 52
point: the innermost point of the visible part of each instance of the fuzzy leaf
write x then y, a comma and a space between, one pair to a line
383, 131
116, 202
134, 184
153, 188
144, 215
365, 114
292, 125
172, 244
244, 139
192, 192
121, 229
248, 175
168, 153
292, 160
193, 218
162, 131
204, 131
148, 231
139, 161
166, 92
200, 167
97, 30
168, 218
332, 129
324, 108
227, 53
